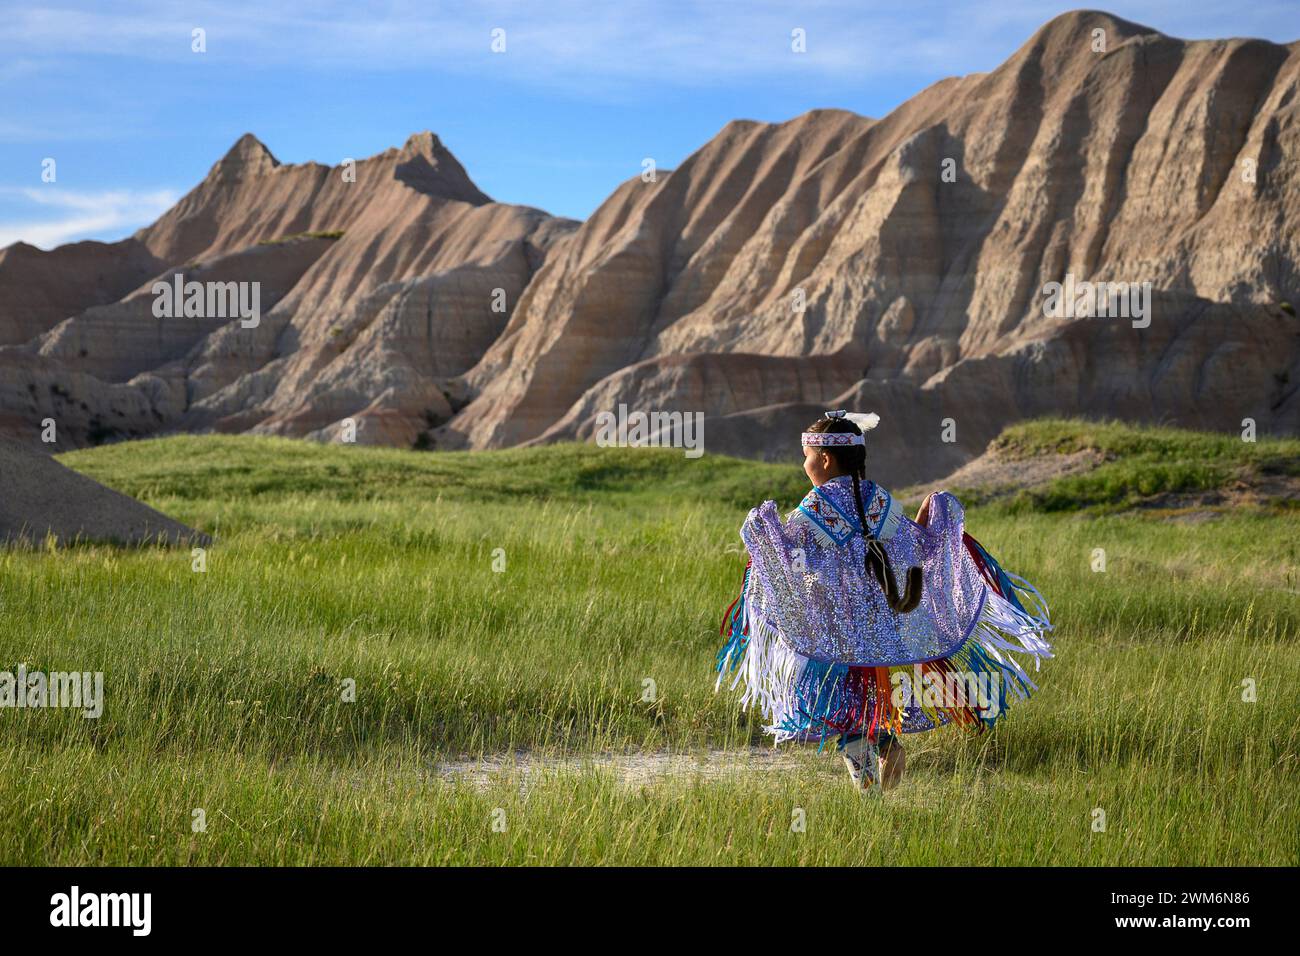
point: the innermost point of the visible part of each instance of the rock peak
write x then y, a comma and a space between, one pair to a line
1073, 30
424, 143
424, 163
249, 157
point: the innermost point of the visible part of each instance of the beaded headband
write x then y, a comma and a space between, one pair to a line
821, 439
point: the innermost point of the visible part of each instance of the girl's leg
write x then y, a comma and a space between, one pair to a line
892, 761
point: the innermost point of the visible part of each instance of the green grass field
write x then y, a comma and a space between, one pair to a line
224, 689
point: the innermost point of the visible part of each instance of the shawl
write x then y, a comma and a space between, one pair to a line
809, 614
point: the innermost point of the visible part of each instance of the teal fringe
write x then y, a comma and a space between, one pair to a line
978, 662
823, 692
1008, 587
734, 649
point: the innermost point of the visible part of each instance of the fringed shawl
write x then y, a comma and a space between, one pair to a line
813, 639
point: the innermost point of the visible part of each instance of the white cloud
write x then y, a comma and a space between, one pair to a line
74, 215
573, 42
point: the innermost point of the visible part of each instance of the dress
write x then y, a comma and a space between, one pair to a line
813, 643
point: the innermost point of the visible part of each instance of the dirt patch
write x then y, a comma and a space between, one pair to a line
634, 770
996, 477
42, 498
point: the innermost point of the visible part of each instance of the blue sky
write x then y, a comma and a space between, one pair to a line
582, 94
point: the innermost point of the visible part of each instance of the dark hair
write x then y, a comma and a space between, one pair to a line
853, 459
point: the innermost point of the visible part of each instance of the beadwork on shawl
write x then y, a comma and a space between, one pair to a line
814, 644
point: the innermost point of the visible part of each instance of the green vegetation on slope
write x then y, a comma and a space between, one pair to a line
320, 234
1140, 462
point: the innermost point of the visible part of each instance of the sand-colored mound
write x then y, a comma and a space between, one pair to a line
39, 289
115, 342
42, 497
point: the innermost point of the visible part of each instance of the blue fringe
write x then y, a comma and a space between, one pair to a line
820, 691
978, 662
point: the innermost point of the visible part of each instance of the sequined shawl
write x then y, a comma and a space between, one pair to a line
809, 583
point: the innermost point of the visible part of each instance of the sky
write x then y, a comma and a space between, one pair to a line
133, 117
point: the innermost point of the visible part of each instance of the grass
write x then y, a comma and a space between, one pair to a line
342, 564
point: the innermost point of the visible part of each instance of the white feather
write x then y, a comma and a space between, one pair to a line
866, 421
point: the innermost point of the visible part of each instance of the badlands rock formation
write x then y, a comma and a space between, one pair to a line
896, 265
1156, 161
379, 282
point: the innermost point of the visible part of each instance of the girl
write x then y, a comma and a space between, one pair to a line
827, 639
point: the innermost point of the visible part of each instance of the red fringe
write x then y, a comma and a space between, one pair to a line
973, 548
726, 617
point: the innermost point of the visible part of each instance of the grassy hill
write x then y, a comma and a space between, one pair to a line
562, 604
1127, 466
190, 467
1112, 466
